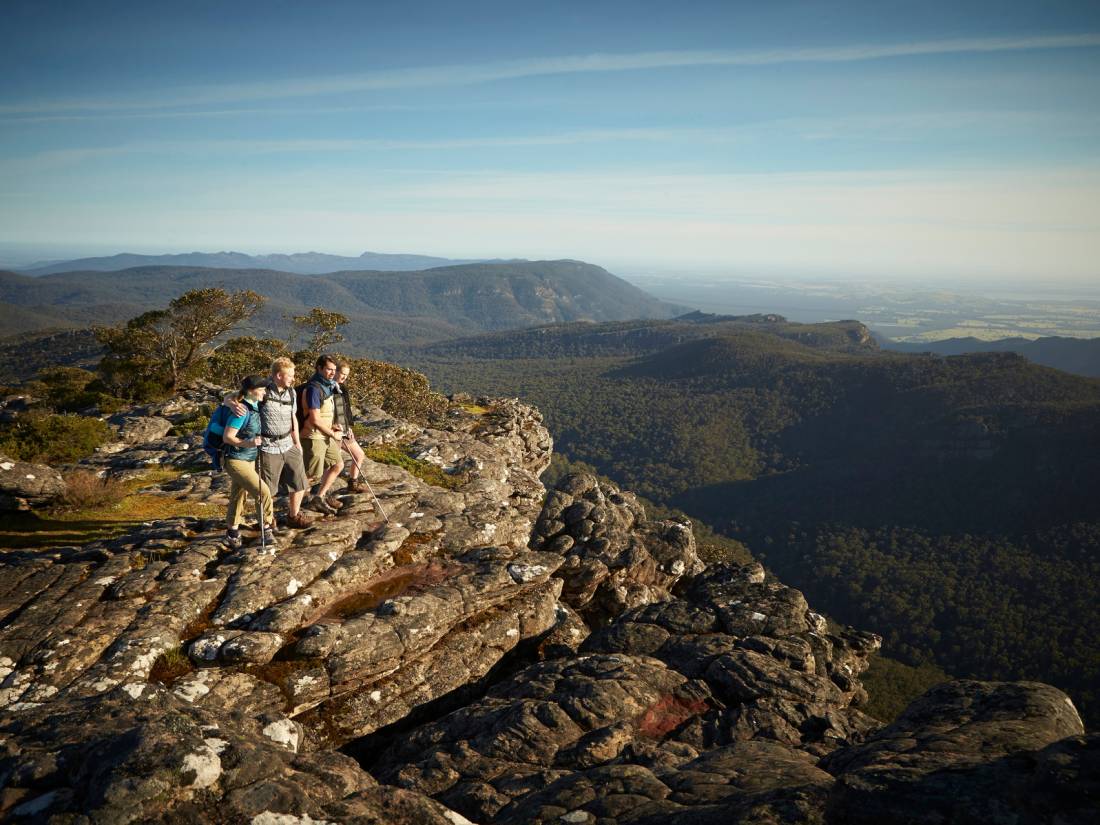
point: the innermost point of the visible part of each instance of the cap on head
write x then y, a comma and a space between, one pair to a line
254, 381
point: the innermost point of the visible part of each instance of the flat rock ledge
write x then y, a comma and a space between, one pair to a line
478, 653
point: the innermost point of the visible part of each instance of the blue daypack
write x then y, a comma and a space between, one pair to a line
212, 442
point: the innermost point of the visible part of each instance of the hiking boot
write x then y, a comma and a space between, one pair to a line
357, 485
320, 505
333, 502
269, 537
232, 539
297, 522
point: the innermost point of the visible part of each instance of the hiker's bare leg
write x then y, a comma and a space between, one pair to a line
294, 503
357, 457
328, 478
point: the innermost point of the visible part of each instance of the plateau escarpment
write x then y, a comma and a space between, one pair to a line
478, 651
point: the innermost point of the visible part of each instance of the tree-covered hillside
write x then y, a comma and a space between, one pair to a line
390, 311
947, 503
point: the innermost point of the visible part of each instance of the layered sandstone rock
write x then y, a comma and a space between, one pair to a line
486, 652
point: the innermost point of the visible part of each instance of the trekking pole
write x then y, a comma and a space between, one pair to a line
363, 476
260, 499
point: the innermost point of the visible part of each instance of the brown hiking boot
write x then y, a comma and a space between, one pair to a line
319, 505
333, 502
297, 522
357, 485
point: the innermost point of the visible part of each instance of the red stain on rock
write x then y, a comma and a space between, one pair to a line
667, 714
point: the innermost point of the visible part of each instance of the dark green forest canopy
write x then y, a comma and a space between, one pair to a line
811, 446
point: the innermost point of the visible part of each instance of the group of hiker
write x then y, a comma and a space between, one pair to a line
272, 433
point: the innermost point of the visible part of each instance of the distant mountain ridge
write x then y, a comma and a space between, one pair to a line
302, 263
1080, 356
646, 336
389, 311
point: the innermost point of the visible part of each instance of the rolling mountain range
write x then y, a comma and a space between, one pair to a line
1080, 356
389, 311
947, 501
303, 263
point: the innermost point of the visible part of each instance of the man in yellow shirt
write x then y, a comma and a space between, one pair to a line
321, 436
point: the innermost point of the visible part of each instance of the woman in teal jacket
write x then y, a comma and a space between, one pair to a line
242, 440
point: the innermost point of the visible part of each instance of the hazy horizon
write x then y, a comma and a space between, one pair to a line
950, 143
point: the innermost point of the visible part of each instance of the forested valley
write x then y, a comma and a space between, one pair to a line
946, 503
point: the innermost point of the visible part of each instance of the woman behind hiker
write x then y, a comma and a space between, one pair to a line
242, 439
344, 418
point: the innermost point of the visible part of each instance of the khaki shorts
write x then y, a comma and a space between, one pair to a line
287, 467
320, 454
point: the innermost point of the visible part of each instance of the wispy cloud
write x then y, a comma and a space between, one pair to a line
56, 158
469, 74
917, 126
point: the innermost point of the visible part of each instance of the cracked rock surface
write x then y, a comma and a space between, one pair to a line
480, 652
344, 627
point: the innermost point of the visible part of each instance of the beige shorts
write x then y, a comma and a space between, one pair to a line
319, 455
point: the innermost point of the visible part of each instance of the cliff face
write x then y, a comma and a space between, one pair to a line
480, 651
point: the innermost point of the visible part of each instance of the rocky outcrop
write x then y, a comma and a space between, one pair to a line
346, 627
658, 703
140, 429
139, 753
615, 559
480, 651
24, 485
973, 752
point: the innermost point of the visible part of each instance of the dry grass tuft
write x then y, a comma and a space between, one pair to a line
85, 489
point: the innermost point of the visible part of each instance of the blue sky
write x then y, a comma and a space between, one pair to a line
946, 141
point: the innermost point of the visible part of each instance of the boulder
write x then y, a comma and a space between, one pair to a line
626, 729
615, 558
973, 752
140, 429
24, 485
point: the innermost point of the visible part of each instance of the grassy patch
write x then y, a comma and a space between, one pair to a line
398, 456
475, 409
169, 666
103, 520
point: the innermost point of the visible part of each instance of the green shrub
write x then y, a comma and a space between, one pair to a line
193, 422
71, 389
46, 438
241, 357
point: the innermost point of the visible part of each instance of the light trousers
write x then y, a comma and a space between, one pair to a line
246, 482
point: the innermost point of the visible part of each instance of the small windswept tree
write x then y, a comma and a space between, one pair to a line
321, 325
164, 348
240, 357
